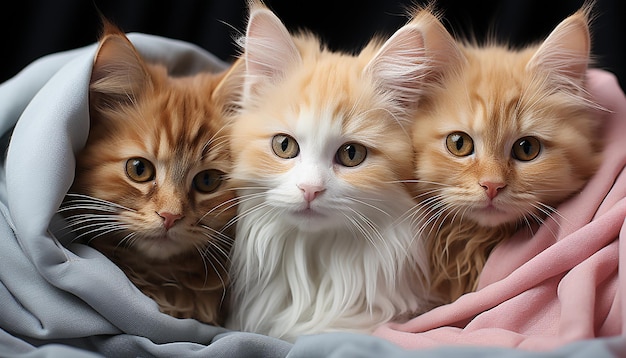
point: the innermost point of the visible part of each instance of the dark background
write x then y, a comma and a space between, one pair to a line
34, 28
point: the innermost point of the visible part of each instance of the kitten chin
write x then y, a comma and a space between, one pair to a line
309, 220
492, 216
164, 245
325, 212
505, 208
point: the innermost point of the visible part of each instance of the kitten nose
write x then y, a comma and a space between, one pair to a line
169, 219
310, 191
492, 188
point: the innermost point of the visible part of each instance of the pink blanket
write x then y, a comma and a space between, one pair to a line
560, 285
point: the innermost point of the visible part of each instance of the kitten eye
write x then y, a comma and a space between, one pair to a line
526, 149
285, 146
207, 181
140, 170
351, 154
460, 144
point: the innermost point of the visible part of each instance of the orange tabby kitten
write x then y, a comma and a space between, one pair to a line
505, 138
151, 176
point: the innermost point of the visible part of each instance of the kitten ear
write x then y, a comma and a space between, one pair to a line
414, 57
228, 92
565, 54
268, 49
118, 72
442, 50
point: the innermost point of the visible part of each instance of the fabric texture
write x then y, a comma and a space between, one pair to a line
557, 294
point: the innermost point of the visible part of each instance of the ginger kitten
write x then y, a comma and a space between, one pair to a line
150, 188
322, 152
507, 136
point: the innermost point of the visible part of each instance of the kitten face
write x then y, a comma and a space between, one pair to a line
511, 135
169, 179
317, 147
323, 138
152, 174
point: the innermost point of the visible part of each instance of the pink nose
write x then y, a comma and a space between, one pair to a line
492, 188
310, 191
169, 219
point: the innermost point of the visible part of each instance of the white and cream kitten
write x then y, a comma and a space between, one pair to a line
322, 150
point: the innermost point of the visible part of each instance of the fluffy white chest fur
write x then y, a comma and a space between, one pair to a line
290, 282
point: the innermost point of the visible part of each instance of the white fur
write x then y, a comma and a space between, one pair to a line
289, 282
354, 264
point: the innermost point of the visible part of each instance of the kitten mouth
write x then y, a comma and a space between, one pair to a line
307, 213
490, 215
161, 240
166, 237
308, 220
490, 208
161, 246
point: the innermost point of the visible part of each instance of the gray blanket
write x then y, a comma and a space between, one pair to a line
64, 299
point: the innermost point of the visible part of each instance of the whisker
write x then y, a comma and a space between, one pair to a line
375, 233
227, 205
368, 205
217, 235
90, 199
244, 199
420, 181
553, 211
99, 231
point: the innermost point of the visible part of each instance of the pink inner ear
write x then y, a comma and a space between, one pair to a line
566, 50
401, 64
411, 59
269, 49
118, 69
441, 48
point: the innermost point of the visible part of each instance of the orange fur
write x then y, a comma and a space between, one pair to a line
497, 96
179, 124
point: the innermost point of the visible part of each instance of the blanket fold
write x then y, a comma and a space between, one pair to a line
551, 293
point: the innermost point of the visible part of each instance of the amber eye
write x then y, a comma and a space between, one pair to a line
285, 146
140, 170
207, 181
460, 144
351, 154
526, 149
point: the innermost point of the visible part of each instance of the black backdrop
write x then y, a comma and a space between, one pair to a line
34, 28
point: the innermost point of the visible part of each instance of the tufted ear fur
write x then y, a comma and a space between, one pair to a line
268, 48
119, 74
565, 55
228, 92
414, 57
